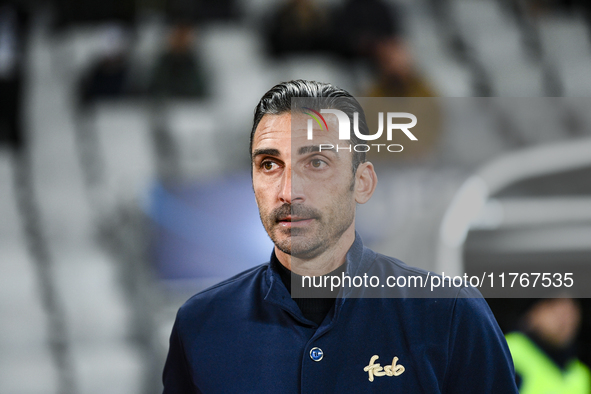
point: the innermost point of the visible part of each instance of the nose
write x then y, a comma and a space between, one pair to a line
290, 190
285, 187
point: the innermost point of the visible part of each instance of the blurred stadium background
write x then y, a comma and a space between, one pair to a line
124, 190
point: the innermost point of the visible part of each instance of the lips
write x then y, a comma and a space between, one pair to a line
290, 216
294, 221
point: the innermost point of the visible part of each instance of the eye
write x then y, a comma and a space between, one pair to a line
317, 163
268, 165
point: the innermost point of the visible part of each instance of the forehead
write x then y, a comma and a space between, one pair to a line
282, 127
272, 127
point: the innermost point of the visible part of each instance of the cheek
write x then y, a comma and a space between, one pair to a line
338, 186
336, 195
260, 198
264, 194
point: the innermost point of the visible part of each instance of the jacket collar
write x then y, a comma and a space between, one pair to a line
358, 260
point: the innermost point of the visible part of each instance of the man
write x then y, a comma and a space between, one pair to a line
545, 348
248, 335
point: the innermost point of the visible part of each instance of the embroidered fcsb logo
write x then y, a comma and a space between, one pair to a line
377, 370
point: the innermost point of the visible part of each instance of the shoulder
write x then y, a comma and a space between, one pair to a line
399, 266
402, 280
239, 289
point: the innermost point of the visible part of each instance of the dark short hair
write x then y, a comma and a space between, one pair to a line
278, 101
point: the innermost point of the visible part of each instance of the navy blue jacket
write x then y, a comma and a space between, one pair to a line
246, 335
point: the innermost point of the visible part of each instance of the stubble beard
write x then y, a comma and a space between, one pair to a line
307, 243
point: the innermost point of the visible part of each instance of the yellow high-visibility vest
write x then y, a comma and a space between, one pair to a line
540, 375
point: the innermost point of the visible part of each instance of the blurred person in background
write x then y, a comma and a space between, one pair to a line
298, 27
13, 40
200, 11
361, 24
75, 12
545, 349
396, 73
541, 7
108, 76
178, 72
397, 76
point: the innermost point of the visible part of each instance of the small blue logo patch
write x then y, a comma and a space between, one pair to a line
316, 354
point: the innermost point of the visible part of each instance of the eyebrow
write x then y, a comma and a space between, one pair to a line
314, 148
267, 151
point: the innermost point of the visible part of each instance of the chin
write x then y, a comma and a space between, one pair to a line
283, 245
306, 249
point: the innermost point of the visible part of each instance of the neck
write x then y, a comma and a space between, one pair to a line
329, 260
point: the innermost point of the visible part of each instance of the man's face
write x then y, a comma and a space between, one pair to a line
304, 195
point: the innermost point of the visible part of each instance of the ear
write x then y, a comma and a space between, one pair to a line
366, 181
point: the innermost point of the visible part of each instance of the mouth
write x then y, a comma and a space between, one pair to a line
294, 221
